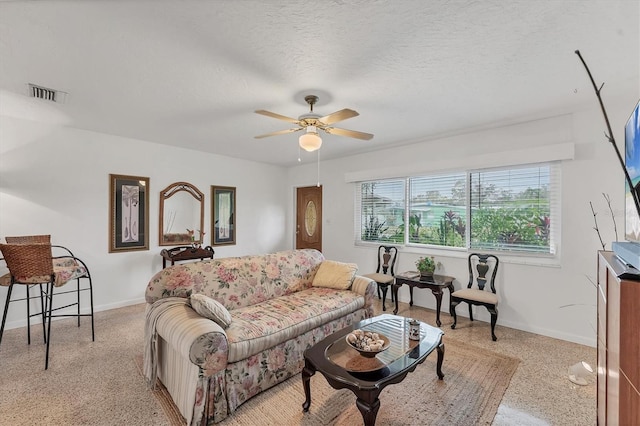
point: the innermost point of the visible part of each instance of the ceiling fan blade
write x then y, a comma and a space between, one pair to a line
349, 133
279, 132
343, 114
278, 116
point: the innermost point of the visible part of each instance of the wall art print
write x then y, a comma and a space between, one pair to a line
223, 208
128, 213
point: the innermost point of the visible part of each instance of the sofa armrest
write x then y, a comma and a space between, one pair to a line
367, 288
197, 339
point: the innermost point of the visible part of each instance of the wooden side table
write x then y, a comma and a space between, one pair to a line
435, 284
180, 253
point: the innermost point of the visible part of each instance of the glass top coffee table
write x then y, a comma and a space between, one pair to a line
345, 367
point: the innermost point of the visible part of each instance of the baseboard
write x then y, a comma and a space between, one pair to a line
85, 310
483, 316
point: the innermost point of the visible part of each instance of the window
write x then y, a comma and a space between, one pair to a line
380, 211
438, 210
513, 209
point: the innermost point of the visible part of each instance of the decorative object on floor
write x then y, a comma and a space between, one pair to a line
482, 295
476, 381
384, 274
181, 215
223, 215
128, 213
33, 264
579, 373
312, 122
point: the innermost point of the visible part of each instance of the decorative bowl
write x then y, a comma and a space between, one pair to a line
357, 339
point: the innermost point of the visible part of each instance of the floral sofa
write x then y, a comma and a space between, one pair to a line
273, 306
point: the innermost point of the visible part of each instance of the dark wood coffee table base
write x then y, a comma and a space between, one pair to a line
367, 399
366, 386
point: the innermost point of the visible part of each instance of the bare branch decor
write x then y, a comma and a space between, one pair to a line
610, 137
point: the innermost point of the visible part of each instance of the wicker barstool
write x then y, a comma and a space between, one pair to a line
33, 264
29, 239
5, 280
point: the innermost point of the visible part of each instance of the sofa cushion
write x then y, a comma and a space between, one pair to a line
262, 326
332, 274
238, 282
210, 308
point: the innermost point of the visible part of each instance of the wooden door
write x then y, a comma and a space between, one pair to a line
309, 217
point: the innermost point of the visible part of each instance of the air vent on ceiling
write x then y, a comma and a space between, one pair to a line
52, 95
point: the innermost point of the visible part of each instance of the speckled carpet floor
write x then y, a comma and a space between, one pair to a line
475, 380
98, 383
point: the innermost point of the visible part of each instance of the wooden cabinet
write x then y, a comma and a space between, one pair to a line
182, 253
618, 342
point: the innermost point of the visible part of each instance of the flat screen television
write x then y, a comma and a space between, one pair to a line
629, 250
632, 163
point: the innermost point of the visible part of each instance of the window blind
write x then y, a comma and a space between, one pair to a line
380, 207
512, 208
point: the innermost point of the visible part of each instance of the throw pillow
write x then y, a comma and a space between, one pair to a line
210, 308
334, 274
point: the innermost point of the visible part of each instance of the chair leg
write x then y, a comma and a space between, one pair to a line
384, 287
378, 286
50, 304
470, 311
78, 294
6, 309
494, 319
93, 334
43, 312
28, 315
452, 311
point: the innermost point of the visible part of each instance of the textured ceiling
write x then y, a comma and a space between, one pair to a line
191, 73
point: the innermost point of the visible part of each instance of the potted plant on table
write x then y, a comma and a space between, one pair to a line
426, 265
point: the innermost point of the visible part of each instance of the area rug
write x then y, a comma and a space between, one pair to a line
475, 380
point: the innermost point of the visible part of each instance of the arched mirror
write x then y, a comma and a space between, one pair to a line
181, 214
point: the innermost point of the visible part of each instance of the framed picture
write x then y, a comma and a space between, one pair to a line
128, 213
223, 211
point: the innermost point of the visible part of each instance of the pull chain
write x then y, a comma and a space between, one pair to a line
318, 168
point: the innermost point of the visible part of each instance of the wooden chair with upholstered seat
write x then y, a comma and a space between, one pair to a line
33, 264
384, 274
478, 293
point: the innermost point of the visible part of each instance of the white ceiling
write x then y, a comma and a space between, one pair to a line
191, 73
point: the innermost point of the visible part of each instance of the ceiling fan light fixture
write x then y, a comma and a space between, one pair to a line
310, 141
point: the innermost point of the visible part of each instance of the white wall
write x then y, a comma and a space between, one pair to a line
531, 293
55, 180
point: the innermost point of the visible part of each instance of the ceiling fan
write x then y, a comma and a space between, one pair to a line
311, 122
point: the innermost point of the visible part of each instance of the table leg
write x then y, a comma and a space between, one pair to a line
369, 411
438, 294
451, 290
307, 372
440, 350
394, 290
410, 294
